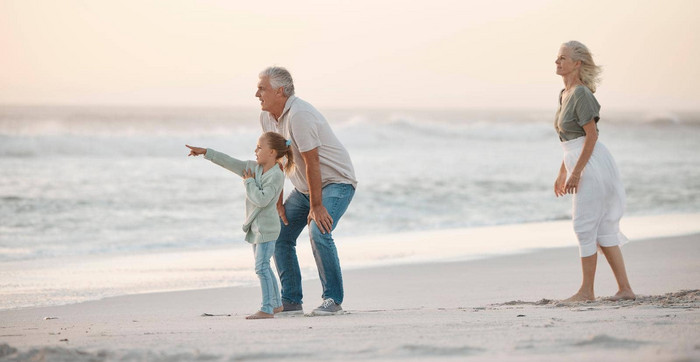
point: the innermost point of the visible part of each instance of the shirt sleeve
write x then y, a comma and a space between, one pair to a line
305, 133
232, 164
586, 106
268, 192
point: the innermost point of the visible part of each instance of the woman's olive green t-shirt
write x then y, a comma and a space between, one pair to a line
577, 109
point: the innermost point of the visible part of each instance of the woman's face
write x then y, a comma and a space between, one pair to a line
566, 65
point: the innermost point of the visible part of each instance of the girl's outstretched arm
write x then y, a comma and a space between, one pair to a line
232, 164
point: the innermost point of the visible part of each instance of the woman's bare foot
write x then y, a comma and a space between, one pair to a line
260, 315
623, 295
580, 297
278, 309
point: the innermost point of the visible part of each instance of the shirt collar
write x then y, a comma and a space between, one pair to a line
287, 105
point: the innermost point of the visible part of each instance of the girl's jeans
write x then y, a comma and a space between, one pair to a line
270, 292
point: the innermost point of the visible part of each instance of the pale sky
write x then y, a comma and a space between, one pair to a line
359, 53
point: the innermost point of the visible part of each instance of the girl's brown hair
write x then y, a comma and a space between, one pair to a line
278, 143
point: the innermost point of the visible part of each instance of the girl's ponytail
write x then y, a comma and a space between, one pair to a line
283, 147
289, 167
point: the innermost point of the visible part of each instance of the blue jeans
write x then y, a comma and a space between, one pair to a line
268, 283
336, 198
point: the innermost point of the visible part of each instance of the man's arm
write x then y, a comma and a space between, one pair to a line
280, 203
317, 211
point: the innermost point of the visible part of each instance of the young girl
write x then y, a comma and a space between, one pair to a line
263, 180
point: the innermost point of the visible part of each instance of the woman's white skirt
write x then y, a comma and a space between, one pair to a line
600, 199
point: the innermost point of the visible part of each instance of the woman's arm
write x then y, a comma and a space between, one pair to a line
588, 145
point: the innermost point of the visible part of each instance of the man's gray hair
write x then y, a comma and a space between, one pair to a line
279, 77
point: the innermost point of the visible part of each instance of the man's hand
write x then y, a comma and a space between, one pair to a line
282, 212
323, 219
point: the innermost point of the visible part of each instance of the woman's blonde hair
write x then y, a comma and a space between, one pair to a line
283, 148
589, 73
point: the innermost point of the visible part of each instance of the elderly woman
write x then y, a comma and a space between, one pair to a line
588, 171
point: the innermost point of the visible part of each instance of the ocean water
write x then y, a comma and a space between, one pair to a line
97, 182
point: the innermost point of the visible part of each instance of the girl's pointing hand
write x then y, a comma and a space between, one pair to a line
196, 151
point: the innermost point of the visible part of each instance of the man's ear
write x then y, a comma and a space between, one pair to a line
279, 91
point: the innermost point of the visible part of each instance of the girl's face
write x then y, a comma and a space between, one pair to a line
566, 65
263, 153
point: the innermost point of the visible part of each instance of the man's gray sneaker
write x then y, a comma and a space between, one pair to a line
328, 307
291, 309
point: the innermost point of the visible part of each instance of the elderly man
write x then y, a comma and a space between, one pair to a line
324, 184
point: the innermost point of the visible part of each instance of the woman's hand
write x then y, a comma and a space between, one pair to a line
572, 183
196, 151
559, 185
248, 174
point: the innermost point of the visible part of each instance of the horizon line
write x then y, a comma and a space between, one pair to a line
333, 108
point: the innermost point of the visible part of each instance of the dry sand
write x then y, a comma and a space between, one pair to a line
503, 308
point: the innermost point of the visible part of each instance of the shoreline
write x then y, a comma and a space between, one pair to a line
482, 309
96, 278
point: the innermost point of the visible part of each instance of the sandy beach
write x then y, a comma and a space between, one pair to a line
500, 308
450, 119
